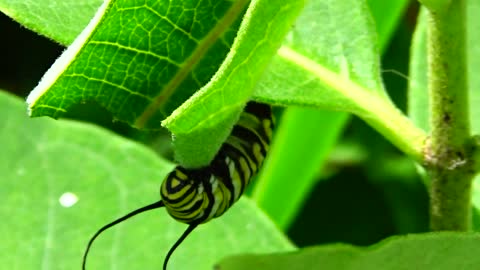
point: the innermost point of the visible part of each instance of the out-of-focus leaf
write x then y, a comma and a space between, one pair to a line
62, 180
417, 87
301, 145
387, 14
61, 20
440, 251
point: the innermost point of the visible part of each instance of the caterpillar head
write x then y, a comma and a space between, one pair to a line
183, 195
172, 186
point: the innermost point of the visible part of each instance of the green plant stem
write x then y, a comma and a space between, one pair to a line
448, 161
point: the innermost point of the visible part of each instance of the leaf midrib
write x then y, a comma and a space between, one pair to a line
230, 16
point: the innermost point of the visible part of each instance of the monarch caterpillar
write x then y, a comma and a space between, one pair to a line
195, 196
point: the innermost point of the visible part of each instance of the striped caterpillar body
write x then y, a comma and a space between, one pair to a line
195, 196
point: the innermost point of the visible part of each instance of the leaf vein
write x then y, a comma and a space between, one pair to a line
135, 50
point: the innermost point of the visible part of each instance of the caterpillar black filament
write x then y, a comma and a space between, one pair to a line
195, 196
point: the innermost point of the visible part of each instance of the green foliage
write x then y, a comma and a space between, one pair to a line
282, 175
191, 66
215, 108
49, 162
142, 80
156, 55
387, 15
61, 21
147, 52
439, 251
298, 136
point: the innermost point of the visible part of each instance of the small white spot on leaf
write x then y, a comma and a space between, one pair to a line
68, 199
21, 171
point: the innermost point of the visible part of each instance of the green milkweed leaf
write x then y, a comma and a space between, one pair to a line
309, 134
439, 251
141, 61
337, 70
123, 62
63, 180
387, 15
61, 21
216, 107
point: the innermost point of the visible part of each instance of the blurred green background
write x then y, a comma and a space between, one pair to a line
366, 191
